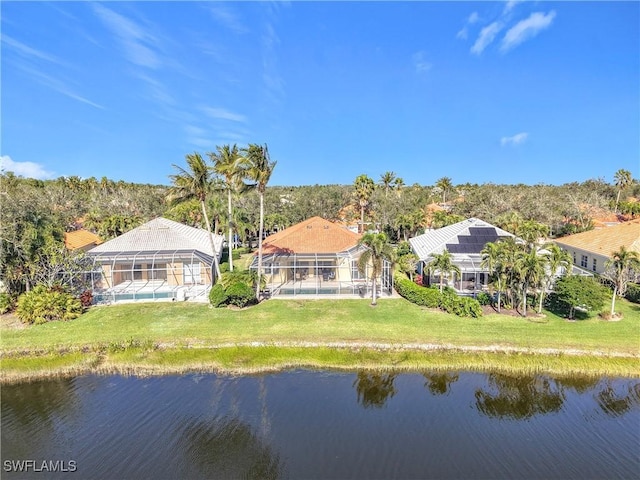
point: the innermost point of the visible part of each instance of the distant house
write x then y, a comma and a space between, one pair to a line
465, 241
590, 250
81, 240
161, 259
317, 257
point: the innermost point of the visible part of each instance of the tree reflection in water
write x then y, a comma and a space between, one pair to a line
229, 448
519, 398
614, 402
440, 383
374, 389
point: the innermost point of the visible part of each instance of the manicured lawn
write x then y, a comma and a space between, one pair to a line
393, 321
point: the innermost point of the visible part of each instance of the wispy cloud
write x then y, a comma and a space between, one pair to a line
487, 35
516, 139
509, 5
24, 169
464, 32
224, 16
29, 52
138, 43
420, 62
526, 29
223, 114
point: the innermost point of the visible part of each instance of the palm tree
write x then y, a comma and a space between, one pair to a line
364, 187
619, 271
443, 264
445, 186
387, 180
259, 171
491, 254
194, 182
530, 270
229, 164
623, 179
398, 185
378, 251
555, 259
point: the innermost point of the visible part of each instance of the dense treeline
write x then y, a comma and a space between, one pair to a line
36, 213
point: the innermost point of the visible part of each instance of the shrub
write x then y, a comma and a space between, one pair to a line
483, 298
248, 277
41, 305
633, 293
426, 297
7, 302
224, 267
218, 295
240, 294
86, 298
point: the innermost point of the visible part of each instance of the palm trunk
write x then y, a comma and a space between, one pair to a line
260, 245
618, 200
361, 218
540, 304
373, 290
213, 247
230, 232
441, 282
524, 301
499, 299
613, 300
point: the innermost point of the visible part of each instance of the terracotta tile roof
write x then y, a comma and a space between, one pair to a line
315, 235
81, 239
606, 240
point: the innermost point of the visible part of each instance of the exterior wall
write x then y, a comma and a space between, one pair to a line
580, 256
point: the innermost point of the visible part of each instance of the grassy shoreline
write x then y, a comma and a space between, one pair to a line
155, 338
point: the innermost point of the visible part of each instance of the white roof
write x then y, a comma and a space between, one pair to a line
436, 241
161, 235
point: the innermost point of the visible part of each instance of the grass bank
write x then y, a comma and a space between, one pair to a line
350, 334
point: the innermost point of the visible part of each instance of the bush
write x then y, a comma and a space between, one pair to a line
633, 293
86, 299
431, 297
240, 294
425, 297
7, 302
218, 296
41, 305
483, 298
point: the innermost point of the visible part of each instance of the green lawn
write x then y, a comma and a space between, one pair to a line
319, 322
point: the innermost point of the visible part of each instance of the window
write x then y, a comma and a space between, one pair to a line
574, 258
355, 273
191, 273
595, 264
159, 272
584, 261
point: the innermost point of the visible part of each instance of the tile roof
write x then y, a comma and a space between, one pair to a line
315, 235
436, 241
80, 239
605, 241
161, 234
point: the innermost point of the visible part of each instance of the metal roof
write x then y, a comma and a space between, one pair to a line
161, 235
466, 238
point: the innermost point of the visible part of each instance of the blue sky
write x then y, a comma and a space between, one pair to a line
502, 92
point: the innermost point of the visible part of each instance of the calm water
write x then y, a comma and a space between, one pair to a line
306, 424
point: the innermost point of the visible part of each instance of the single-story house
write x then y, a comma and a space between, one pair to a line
465, 241
317, 257
590, 250
81, 239
160, 259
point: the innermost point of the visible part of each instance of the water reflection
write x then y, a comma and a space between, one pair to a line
440, 383
617, 401
229, 448
518, 397
374, 389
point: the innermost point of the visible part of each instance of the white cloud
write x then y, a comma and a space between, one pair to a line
526, 29
227, 18
136, 41
420, 62
28, 51
464, 32
24, 169
223, 114
516, 139
487, 35
509, 6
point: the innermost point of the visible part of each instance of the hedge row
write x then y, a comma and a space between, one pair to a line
432, 298
633, 293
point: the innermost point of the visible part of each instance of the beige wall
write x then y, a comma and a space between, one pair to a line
577, 254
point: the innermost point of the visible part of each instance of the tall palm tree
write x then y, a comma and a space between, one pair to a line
398, 185
194, 182
530, 269
230, 165
443, 264
387, 180
555, 259
364, 187
260, 168
445, 186
378, 250
623, 179
619, 270
491, 261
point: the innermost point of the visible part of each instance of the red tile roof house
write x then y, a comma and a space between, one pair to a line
317, 258
160, 260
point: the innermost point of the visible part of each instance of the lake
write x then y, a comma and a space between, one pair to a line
323, 424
